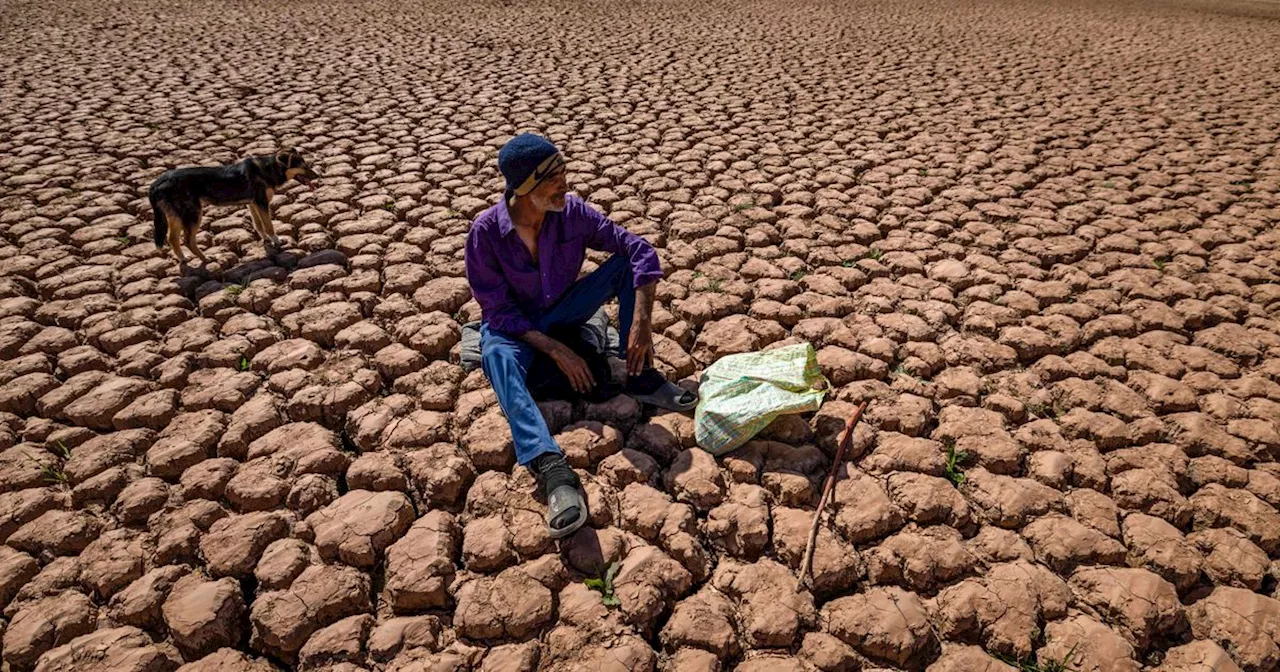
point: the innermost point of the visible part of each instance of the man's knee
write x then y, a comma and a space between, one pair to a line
498, 357
501, 357
618, 268
615, 263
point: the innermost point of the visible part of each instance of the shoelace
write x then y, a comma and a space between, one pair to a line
554, 469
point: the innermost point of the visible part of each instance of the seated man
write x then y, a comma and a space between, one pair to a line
523, 256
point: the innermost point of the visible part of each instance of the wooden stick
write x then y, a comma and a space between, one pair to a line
846, 438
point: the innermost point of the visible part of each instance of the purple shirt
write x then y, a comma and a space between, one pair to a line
512, 290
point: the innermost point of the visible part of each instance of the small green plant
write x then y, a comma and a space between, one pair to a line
797, 275
604, 586
744, 205
715, 285
233, 290
452, 213
1109, 184
901, 370
53, 473
243, 364
124, 240
389, 206
849, 263
1159, 263
1039, 410
1033, 664
924, 172
955, 458
875, 254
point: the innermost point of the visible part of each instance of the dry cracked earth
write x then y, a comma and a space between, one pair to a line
1041, 237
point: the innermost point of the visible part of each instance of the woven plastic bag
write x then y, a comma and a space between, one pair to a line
739, 395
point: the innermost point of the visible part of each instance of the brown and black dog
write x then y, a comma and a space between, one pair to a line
178, 196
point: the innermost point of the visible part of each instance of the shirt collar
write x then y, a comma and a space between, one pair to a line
505, 224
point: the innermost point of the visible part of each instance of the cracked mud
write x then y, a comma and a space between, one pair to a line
1044, 237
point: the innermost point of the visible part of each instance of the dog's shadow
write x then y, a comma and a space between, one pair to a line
198, 281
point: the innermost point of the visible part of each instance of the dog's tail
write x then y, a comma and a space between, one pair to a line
162, 224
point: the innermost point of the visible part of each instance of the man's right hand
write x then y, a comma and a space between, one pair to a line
574, 368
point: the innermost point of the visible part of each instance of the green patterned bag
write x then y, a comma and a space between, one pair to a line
739, 395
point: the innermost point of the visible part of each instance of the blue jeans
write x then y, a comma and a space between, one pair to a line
506, 360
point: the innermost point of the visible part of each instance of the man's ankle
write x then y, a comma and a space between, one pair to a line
553, 470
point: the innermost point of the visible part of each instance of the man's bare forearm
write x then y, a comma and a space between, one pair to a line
544, 343
644, 306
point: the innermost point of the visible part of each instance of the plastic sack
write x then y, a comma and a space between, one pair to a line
739, 395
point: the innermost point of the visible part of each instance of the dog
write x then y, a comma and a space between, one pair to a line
178, 197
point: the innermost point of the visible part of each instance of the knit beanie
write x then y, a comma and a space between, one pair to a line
525, 161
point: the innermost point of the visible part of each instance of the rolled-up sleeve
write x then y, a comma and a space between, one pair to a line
490, 289
607, 236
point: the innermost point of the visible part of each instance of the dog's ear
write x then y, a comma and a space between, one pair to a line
285, 158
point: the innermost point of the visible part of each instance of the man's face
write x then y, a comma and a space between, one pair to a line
549, 195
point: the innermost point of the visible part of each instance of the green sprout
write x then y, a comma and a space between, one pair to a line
604, 586
54, 473
953, 470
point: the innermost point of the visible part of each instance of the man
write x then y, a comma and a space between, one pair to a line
523, 256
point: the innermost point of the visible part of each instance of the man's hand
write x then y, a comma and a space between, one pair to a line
575, 369
639, 346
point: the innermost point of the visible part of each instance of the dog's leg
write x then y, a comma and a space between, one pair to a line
191, 245
262, 222
256, 219
264, 213
271, 228
175, 240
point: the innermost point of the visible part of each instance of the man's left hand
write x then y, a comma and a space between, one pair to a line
639, 347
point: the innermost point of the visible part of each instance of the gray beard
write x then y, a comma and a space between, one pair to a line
548, 205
